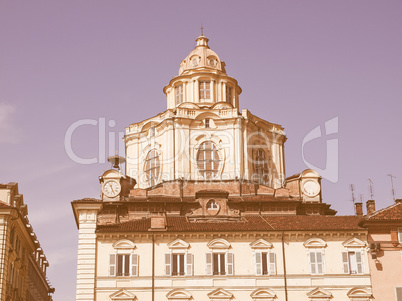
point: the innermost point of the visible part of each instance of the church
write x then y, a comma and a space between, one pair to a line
204, 210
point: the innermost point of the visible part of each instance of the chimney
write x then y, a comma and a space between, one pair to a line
370, 207
359, 209
158, 221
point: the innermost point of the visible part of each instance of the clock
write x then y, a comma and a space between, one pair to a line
111, 189
311, 188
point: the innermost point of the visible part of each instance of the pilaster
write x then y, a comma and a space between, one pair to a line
87, 217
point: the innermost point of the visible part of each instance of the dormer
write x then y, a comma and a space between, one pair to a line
202, 79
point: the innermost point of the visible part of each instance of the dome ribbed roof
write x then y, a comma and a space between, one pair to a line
202, 58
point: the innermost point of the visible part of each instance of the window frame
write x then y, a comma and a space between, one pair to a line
179, 94
152, 168
204, 90
132, 266
218, 260
316, 264
400, 235
261, 169
270, 262
210, 156
188, 263
229, 94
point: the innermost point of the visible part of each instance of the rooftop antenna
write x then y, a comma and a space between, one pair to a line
116, 160
392, 185
352, 188
371, 189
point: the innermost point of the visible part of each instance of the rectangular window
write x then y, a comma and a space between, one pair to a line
265, 263
205, 90
229, 94
352, 262
178, 264
219, 263
179, 94
207, 123
316, 262
123, 265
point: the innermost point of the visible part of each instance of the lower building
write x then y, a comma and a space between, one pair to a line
218, 241
385, 243
23, 263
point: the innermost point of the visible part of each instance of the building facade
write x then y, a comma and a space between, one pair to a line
385, 243
204, 210
23, 263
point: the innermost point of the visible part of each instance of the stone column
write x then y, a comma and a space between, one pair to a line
86, 263
223, 91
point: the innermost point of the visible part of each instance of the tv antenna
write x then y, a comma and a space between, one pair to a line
392, 185
371, 189
352, 188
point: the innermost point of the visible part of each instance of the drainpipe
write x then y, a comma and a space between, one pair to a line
153, 267
284, 267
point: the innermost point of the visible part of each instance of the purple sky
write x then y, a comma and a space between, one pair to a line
299, 63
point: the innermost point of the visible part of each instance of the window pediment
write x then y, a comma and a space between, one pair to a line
261, 244
178, 244
178, 294
315, 243
353, 243
122, 295
319, 294
220, 294
124, 244
218, 243
263, 295
359, 294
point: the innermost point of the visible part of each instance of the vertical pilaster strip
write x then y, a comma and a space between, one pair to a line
4, 221
86, 262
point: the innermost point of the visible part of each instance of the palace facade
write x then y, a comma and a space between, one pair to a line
205, 212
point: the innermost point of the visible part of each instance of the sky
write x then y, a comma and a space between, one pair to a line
328, 70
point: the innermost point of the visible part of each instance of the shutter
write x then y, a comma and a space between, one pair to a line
272, 264
168, 264
359, 262
320, 262
229, 263
209, 264
134, 265
312, 263
258, 263
189, 264
345, 261
112, 265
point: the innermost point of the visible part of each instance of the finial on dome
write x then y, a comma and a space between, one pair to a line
202, 30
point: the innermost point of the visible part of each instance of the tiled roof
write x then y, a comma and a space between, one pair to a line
393, 212
247, 223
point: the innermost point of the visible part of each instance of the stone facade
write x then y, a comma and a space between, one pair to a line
205, 211
23, 263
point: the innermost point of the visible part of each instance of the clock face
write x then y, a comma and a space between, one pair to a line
311, 188
111, 189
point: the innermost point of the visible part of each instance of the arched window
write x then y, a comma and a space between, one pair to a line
152, 167
261, 167
208, 160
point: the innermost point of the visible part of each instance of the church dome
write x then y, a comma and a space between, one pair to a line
202, 58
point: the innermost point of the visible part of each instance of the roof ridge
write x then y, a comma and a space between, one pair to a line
382, 210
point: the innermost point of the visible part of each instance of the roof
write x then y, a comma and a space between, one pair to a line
393, 212
247, 223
